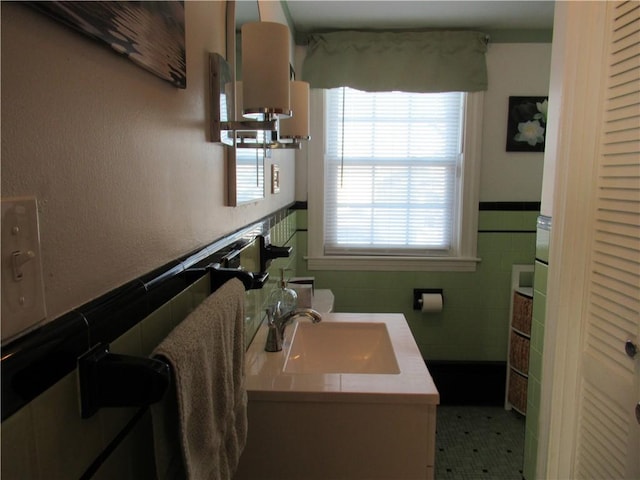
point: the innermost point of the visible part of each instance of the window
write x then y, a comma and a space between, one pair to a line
391, 163
399, 181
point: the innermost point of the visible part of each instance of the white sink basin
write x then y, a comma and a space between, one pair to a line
341, 347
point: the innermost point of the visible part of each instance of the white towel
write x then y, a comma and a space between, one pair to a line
200, 426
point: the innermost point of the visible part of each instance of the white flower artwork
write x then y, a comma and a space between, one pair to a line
530, 132
527, 124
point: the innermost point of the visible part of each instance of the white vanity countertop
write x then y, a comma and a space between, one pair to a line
266, 380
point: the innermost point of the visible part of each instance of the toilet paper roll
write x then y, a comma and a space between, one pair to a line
431, 302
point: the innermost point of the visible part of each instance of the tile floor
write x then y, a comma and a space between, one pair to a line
479, 443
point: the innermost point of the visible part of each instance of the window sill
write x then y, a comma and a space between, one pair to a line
374, 263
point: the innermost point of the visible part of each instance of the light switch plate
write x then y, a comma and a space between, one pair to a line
23, 305
275, 178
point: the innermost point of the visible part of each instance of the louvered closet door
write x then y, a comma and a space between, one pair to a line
608, 443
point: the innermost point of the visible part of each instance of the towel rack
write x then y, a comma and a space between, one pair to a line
269, 252
220, 275
112, 380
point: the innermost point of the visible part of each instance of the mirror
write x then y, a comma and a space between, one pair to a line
220, 81
245, 166
246, 11
249, 180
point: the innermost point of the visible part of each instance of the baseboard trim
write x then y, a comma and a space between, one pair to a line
469, 383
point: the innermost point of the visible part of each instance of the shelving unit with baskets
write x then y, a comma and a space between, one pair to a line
519, 338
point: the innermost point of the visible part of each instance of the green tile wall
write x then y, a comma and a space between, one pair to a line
282, 234
535, 354
473, 325
47, 439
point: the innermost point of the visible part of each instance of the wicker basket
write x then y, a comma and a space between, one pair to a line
522, 306
518, 391
519, 352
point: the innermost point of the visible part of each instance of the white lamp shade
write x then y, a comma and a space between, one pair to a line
298, 125
265, 69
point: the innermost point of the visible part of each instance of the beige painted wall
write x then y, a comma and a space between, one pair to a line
125, 178
515, 69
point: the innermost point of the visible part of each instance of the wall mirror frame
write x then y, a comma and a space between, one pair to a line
245, 167
251, 141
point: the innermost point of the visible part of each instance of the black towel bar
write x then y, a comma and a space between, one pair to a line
220, 275
269, 252
111, 380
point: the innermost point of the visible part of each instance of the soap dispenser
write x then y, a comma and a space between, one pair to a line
283, 299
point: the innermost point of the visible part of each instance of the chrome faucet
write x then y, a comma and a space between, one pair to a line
277, 322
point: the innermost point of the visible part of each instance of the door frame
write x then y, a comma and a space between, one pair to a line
576, 95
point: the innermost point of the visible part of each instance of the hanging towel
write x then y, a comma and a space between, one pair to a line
200, 426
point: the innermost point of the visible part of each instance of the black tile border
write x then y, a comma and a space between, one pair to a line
482, 206
509, 206
469, 382
113, 445
507, 231
35, 362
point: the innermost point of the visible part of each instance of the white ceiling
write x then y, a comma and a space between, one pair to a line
318, 15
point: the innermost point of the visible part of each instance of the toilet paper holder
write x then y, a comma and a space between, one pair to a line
417, 296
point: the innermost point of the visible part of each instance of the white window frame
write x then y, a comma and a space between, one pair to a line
467, 225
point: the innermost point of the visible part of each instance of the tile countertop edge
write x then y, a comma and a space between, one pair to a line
265, 380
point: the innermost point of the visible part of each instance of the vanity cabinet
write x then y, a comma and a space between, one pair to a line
519, 339
336, 421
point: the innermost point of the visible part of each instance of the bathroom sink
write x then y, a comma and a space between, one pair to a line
341, 347
351, 397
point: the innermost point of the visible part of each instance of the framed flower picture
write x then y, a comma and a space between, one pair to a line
527, 124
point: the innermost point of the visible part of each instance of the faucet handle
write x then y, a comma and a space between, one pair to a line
270, 311
277, 310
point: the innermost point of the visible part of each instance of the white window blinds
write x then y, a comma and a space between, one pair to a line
392, 163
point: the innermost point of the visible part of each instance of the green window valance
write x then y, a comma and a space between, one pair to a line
435, 61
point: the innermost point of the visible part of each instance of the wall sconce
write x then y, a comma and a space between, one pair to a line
292, 131
222, 128
265, 110
250, 138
